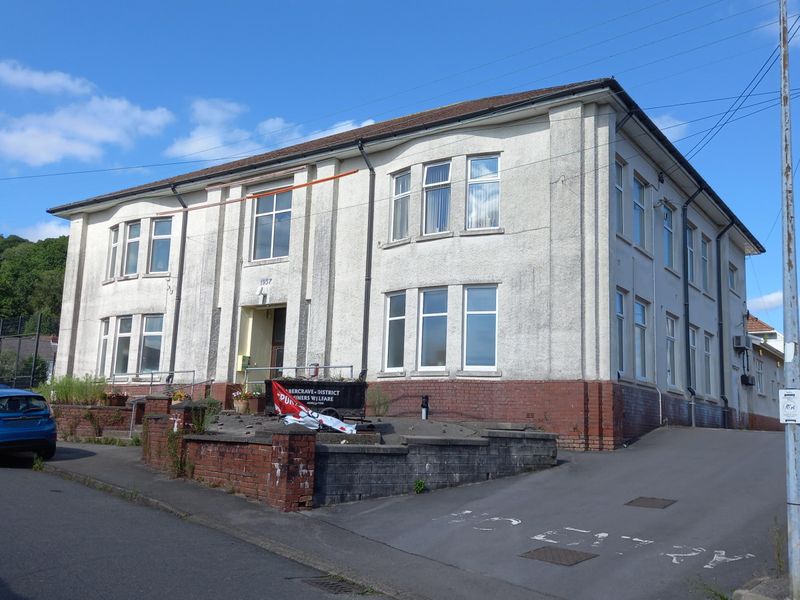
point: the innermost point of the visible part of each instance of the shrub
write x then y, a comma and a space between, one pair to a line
377, 402
85, 390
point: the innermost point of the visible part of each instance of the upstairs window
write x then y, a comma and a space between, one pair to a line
152, 333
733, 277
639, 195
400, 200
483, 193
669, 236
395, 331
159, 245
619, 195
273, 218
134, 230
690, 253
705, 262
437, 198
113, 245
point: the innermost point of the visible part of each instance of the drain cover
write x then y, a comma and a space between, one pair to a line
335, 585
558, 556
644, 502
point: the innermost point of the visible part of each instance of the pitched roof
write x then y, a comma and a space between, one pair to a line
756, 325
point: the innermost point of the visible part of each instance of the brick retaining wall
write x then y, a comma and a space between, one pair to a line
73, 419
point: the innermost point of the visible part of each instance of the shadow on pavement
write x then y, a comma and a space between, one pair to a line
24, 460
7, 594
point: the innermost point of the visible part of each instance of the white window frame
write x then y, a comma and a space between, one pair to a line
619, 188
395, 198
117, 336
672, 366
640, 340
705, 262
468, 312
435, 186
102, 355
733, 277
113, 251
760, 376
692, 380
639, 204
421, 327
708, 341
389, 320
690, 235
157, 237
619, 311
478, 181
129, 241
669, 236
274, 212
143, 334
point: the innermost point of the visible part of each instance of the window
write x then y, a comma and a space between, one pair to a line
273, 219
480, 325
395, 331
671, 374
101, 366
150, 357
705, 262
133, 230
669, 254
759, 376
640, 338
619, 182
620, 312
159, 245
437, 198
483, 193
638, 212
690, 253
123, 352
111, 271
433, 338
707, 341
693, 357
401, 195
732, 276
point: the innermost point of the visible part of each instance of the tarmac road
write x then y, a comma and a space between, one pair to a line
728, 486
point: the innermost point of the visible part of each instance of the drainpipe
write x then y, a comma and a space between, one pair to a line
687, 355
176, 315
723, 397
368, 266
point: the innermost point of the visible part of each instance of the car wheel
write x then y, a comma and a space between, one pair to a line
48, 452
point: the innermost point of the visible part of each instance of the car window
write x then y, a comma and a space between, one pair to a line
14, 404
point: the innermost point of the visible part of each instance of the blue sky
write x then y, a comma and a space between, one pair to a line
88, 86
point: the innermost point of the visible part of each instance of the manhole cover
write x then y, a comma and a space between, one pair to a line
558, 556
644, 502
335, 585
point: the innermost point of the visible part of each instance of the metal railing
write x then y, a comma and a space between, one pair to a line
151, 378
312, 371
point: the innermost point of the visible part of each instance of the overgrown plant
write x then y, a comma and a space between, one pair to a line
38, 463
177, 465
377, 401
86, 390
419, 486
198, 420
94, 421
213, 408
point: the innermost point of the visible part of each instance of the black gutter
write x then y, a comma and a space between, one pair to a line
368, 266
720, 325
690, 385
179, 283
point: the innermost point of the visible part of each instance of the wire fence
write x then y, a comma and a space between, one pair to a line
27, 350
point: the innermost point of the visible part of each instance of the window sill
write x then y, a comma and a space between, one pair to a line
267, 261
486, 231
672, 271
156, 275
709, 296
479, 373
643, 251
128, 277
107, 281
692, 284
433, 236
390, 374
646, 383
438, 373
734, 292
623, 238
396, 243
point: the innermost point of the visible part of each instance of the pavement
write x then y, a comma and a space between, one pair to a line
468, 542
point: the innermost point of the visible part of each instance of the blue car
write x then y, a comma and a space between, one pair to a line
26, 423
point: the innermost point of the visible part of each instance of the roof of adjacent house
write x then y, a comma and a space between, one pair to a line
756, 325
419, 121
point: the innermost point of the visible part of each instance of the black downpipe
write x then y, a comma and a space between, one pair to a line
178, 284
368, 267
690, 385
720, 324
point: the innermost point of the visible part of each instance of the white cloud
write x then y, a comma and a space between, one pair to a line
214, 134
43, 230
766, 302
276, 131
671, 127
78, 131
15, 75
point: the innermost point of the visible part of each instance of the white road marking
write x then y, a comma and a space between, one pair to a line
678, 557
578, 530
600, 538
720, 557
542, 537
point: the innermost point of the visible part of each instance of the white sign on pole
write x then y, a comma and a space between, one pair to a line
790, 405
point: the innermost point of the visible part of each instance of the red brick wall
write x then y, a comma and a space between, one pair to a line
763, 423
290, 481
71, 417
241, 467
155, 451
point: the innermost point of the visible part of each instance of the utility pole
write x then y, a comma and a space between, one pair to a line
791, 366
